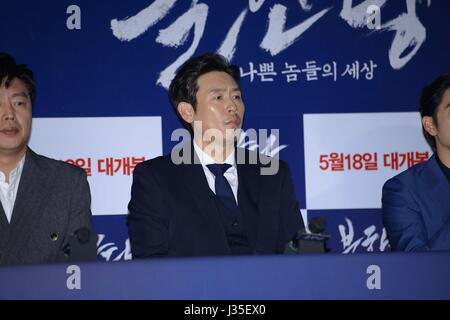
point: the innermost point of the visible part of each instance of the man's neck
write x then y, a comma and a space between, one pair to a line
218, 151
10, 161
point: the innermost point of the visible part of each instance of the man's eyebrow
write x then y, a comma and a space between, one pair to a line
20, 94
215, 90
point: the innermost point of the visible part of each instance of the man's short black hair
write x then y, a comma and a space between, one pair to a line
430, 99
9, 70
184, 87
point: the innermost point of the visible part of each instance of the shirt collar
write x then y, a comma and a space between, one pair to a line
205, 159
15, 173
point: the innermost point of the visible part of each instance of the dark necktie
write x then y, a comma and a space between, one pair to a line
223, 188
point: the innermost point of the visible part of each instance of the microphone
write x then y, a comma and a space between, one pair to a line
313, 241
82, 246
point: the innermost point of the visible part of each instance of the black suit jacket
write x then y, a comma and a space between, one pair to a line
172, 213
53, 201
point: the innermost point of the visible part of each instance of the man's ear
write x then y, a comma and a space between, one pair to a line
186, 111
429, 125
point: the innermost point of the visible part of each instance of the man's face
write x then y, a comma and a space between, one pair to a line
443, 123
219, 103
15, 117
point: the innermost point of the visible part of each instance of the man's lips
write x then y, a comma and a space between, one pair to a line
233, 121
9, 131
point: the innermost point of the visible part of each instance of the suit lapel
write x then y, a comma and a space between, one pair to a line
3, 221
30, 195
248, 197
194, 180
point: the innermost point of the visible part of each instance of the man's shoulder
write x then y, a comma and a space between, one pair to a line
156, 164
48, 164
414, 175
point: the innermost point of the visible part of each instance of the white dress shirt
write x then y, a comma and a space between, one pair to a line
8, 191
231, 174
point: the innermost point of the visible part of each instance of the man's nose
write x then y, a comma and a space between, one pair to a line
7, 111
231, 105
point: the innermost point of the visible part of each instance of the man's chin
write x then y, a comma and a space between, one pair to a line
12, 148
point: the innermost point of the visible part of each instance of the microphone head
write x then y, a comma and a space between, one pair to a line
317, 225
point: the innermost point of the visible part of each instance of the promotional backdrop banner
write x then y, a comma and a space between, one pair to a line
332, 87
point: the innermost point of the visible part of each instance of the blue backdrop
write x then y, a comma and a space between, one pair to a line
88, 64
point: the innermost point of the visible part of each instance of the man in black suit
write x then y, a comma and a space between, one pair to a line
45, 203
217, 200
